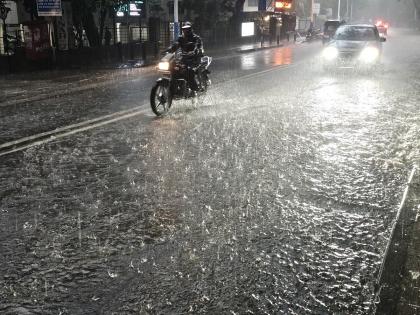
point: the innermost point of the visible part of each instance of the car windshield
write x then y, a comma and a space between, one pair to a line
356, 33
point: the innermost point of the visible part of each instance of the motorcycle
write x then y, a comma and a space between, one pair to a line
313, 35
174, 85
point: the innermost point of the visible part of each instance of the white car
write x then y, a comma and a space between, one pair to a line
355, 45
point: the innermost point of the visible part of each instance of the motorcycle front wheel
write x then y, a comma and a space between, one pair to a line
161, 99
205, 81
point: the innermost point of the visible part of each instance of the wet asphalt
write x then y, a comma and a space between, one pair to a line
274, 195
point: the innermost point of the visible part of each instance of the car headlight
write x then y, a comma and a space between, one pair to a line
164, 66
369, 54
330, 53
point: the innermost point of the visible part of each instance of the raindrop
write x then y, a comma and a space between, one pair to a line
79, 226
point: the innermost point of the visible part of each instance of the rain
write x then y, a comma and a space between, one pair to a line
274, 192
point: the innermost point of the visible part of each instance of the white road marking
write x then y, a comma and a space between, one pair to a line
13, 146
58, 130
56, 135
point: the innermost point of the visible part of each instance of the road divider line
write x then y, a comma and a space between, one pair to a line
48, 136
255, 74
57, 135
276, 68
69, 91
58, 130
100, 84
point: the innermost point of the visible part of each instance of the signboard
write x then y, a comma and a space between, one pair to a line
49, 7
251, 6
316, 8
37, 40
282, 5
133, 8
248, 29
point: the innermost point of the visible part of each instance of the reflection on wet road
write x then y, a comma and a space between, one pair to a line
123, 93
283, 56
276, 195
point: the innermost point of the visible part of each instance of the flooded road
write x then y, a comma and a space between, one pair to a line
109, 92
274, 196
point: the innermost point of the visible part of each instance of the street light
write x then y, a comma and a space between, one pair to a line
176, 20
338, 11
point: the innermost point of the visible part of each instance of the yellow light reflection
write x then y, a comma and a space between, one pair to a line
341, 105
359, 95
278, 57
283, 56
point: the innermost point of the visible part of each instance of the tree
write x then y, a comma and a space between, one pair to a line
83, 16
218, 16
83, 19
30, 7
209, 12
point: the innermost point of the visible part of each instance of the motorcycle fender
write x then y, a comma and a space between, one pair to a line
163, 80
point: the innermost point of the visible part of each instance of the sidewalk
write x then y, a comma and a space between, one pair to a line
257, 46
23, 88
399, 283
26, 87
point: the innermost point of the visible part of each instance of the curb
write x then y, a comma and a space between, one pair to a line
246, 50
392, 272
78, 87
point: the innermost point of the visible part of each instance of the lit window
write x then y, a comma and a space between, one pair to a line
248, 29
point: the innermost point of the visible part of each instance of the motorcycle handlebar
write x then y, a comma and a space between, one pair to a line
189, 54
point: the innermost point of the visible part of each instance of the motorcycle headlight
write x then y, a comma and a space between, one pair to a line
369, 54
330, 53
164, 66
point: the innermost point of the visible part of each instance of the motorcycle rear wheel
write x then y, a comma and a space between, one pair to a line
161, 99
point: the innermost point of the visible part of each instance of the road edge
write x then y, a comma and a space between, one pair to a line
251, 49
394, 278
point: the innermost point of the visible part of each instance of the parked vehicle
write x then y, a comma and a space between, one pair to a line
330, 26
313, 35
174, 82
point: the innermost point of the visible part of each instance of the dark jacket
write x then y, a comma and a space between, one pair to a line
192, 43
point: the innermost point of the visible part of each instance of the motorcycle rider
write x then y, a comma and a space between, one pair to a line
192, 49
310, 30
